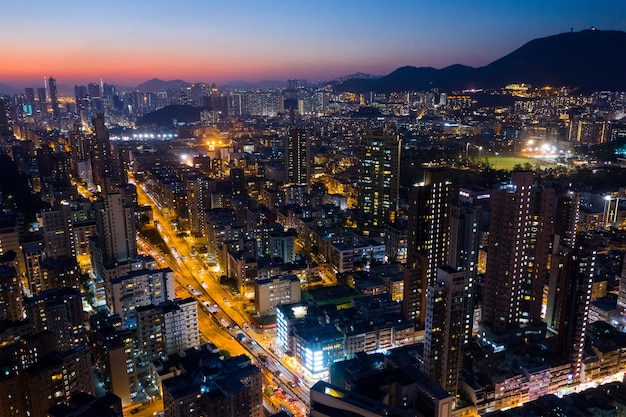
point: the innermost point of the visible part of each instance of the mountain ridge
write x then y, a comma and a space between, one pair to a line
156, 84
575, 59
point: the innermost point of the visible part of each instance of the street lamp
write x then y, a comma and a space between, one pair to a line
467, 150
495, 166
480, 148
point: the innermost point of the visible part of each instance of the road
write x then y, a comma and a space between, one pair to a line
228, 320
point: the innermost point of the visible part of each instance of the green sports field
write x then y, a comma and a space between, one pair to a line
508, 162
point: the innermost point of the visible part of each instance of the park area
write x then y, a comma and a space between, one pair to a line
508, 162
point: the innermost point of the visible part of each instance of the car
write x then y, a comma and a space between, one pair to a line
225, 299
292, 384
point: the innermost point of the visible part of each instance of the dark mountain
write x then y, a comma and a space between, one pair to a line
165, 117
157, 85
358, 75
589, 60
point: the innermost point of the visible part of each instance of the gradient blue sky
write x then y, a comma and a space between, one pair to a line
129, 41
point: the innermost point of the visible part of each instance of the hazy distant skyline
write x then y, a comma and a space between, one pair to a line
127, 43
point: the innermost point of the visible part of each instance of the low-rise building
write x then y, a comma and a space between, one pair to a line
272, 292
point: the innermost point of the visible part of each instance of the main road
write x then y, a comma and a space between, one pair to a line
219, 320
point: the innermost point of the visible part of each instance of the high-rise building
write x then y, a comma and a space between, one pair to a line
569, 295
139, 288
82, 102
59, 311
54, 98
104, 175
114, 355
55, 378
237, 181
465, 234
520, 229
465, 223
567, 216
6, 127
429, 221
57, 232
282, 245
396, 241
379, 177
448, 327
62, 272
115, 223
414, 291
167, 328
11, 306
199, 188
34, 257
43, 101
176, 321
11, 226
12, 402
297, 156
80, 148
30, 96
93, 89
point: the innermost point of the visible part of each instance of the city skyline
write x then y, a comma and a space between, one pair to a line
252, 41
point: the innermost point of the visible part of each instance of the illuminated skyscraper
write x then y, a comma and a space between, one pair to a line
199, 189
54, 98
429, 221
567, 215
80, 145
168, 327
447, 329
43, 101
115, 223
101, 158
30, 96
428, 236
520, 229
379, 172
298, 157
571, 279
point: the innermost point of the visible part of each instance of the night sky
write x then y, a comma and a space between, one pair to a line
130, 41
